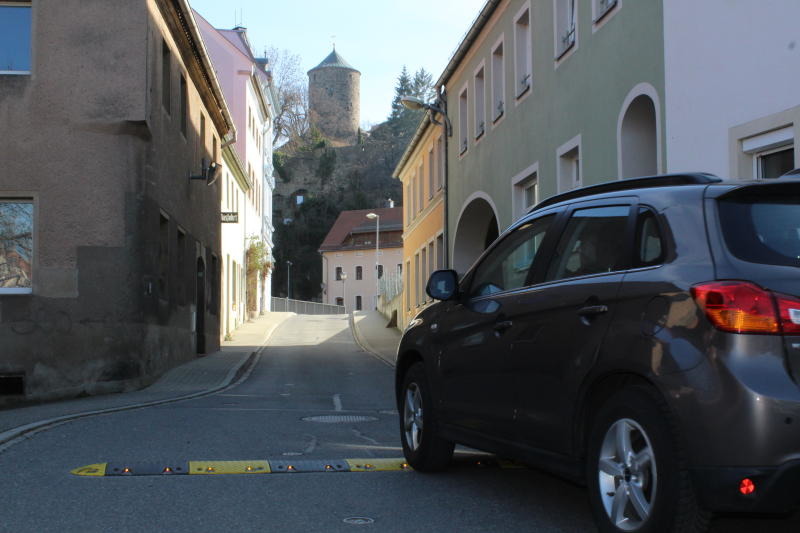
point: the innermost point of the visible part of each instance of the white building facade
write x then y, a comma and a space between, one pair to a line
247, 180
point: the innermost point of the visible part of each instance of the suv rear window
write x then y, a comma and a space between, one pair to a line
762, 228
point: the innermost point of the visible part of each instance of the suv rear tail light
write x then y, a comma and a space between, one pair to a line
743, 307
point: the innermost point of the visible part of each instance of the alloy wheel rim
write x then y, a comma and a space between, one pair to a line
412, 416
627, 475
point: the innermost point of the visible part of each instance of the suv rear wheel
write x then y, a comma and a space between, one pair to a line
636, 476
423, 448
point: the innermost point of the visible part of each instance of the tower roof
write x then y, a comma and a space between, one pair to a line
334, 60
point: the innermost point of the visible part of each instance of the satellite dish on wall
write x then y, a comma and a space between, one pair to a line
209, 172
212, 172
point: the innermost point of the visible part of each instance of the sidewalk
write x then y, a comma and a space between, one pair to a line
195, 378
370, 331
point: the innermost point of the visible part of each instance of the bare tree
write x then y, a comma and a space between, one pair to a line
292, 86
16, 243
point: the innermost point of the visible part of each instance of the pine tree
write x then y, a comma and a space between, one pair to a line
404, 87
422, 85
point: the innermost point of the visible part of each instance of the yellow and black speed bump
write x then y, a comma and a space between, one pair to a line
278, 466
146, 469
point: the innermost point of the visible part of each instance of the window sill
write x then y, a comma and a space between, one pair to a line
16, 292
15, 72
562, 55
524, 92
605, 16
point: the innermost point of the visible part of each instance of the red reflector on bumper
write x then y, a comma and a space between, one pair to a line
746, 486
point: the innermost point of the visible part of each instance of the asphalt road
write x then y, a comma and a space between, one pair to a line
312, 368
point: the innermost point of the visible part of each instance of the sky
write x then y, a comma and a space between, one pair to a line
377, 37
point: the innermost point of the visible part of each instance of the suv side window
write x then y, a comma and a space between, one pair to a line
592, 243
508, 265
649, 243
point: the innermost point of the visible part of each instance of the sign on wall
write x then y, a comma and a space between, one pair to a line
230, 218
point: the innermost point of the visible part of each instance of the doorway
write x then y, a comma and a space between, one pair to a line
200, 311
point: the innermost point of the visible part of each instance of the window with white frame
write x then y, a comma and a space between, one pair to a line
600, 8
772, 152
566, 25
441, 162
15, 37
417, 292
569, 166
431, 172
526, 194
16, 245
407, 290
463, 125
480, 102
420, 187
523, 51
423, 259
498, 82
407, 200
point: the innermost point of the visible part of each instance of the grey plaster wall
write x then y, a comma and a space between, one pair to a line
85, 136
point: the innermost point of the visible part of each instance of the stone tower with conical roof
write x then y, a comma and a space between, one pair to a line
334, 99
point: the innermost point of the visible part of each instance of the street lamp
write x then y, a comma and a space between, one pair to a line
412, 102
440, 108
288, 280
377, 218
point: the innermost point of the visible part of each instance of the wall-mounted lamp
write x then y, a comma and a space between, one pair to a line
412, 102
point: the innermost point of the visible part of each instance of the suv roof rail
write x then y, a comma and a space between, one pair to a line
792, 174
664, 180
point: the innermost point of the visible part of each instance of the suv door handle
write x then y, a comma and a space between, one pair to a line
590, 310
503, 325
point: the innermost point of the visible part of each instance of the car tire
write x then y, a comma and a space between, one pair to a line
636, 471
423, 448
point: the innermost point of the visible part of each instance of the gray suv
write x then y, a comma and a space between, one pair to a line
641, 337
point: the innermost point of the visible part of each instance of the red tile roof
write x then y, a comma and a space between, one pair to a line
350, 222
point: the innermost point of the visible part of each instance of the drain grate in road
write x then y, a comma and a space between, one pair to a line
339, 419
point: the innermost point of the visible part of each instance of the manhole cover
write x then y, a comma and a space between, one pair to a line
339, 419
358, 520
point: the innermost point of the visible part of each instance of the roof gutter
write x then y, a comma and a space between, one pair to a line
219, 112
468, 40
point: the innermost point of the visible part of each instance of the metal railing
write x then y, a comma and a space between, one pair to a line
305, 308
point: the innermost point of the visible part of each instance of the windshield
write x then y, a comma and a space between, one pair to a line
763, 229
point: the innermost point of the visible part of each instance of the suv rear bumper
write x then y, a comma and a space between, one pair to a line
777, 489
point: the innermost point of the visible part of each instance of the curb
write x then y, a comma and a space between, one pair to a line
235, 375
362, 342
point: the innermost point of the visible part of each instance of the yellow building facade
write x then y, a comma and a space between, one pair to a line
421, 170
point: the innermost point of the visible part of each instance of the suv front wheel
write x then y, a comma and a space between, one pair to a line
636, 476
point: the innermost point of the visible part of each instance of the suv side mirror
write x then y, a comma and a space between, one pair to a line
443, 285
